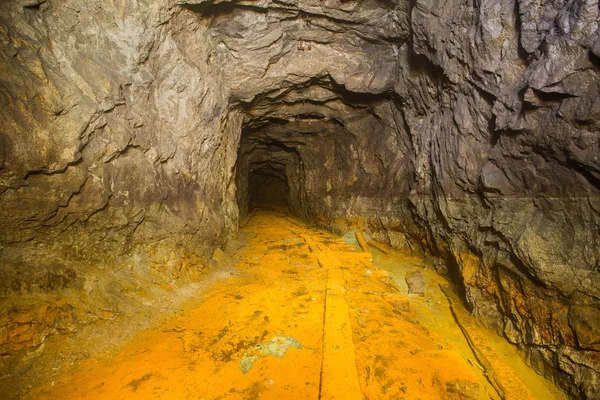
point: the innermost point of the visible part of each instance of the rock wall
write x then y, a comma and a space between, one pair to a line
511, 184
466, 130
116, 150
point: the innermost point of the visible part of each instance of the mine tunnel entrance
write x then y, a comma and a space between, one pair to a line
320, 151
268, 186
268, 170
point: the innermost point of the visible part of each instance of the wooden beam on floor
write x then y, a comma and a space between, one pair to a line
361, 240
339, 376
506, 382
379, 246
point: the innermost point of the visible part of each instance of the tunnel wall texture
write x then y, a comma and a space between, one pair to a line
465, 130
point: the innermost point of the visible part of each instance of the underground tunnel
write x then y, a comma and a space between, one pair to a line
311, 199
267, 187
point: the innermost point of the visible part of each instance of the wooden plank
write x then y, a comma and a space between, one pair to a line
506, 382
312, 245
339, 376
379, 246
361, 240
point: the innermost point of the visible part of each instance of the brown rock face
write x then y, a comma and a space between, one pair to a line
133, 135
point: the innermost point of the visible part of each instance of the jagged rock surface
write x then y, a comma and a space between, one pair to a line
466, 131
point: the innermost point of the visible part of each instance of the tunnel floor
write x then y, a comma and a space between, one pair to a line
304, 315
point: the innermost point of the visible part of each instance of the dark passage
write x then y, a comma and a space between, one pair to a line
268, 187
269, 169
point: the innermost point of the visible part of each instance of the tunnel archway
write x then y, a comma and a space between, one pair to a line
268, 186
334, 152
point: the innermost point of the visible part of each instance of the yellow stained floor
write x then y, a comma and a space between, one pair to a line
306, 316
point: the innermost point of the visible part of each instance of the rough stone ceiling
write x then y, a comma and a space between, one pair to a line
271, 46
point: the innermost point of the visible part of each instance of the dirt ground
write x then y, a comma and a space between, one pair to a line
302, 314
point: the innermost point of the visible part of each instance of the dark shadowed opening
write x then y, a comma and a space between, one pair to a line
269, 170
267, 187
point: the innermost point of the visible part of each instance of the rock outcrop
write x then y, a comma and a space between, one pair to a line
134, 134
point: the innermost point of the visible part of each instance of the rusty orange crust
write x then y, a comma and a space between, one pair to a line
303, 316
